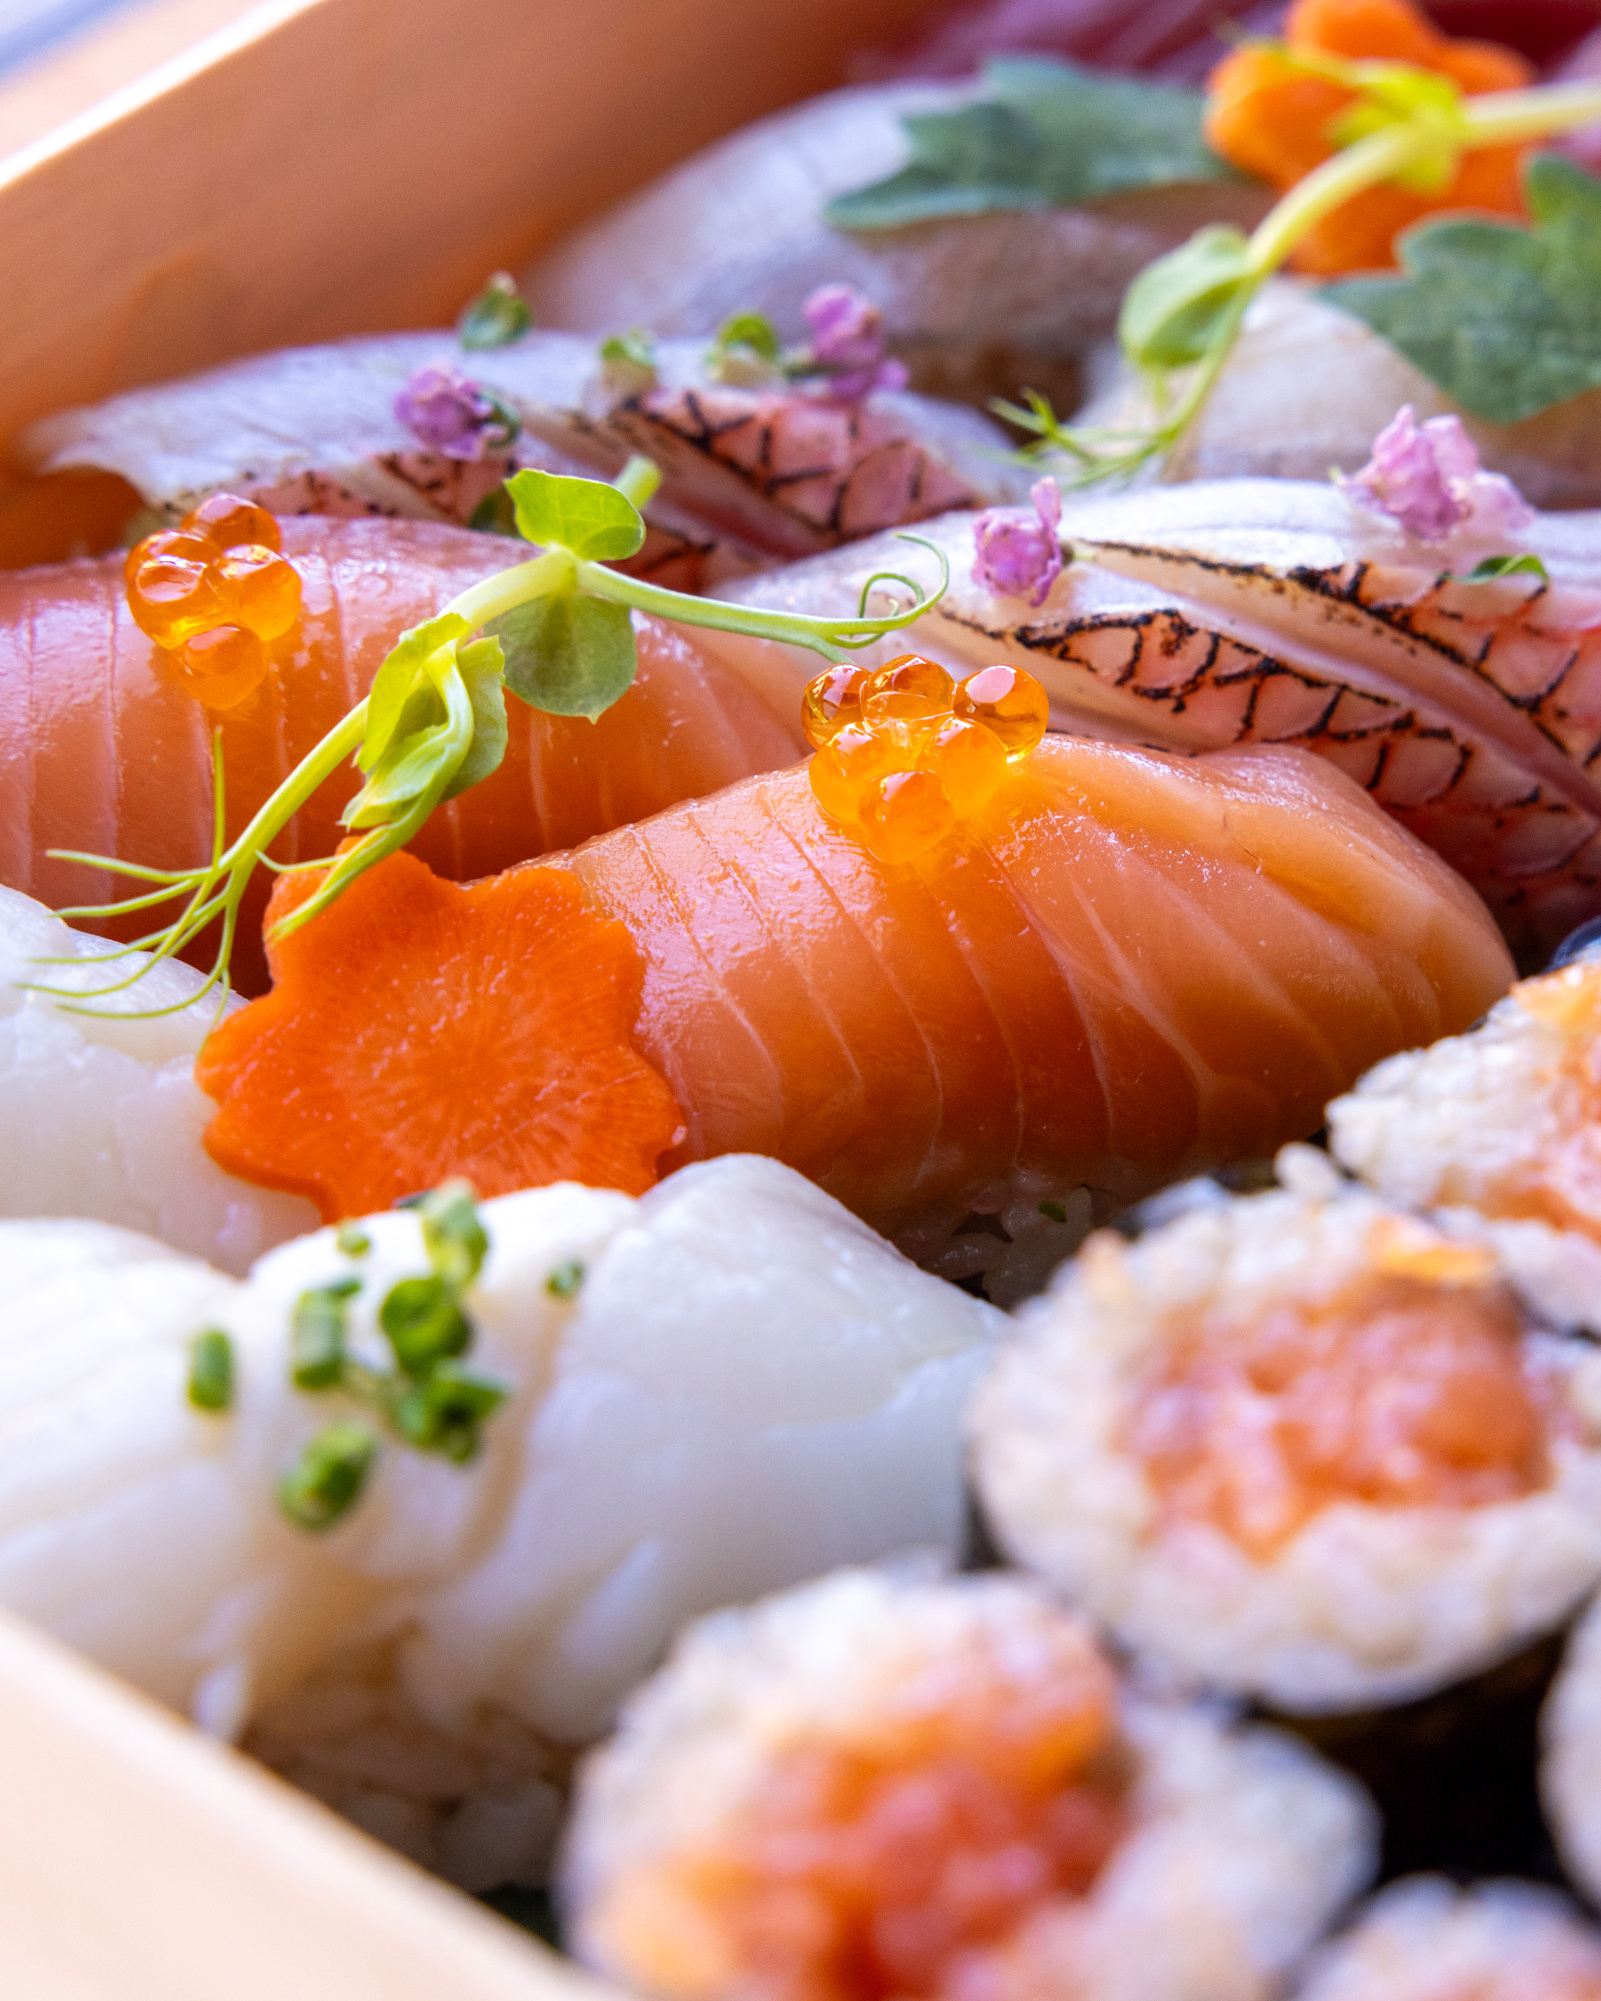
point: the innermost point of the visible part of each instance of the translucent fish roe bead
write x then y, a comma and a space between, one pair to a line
223, 667
260, 589
173, 597
970, 763
906, 814
1008, 702
908, 689
830, 702
230, 522
843, 770
167, 542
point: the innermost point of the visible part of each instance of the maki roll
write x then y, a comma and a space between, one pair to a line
879, 1785
1302, 1447
1505, 1119
1426, 1940
1570, 1763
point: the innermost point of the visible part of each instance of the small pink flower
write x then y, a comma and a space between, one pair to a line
848, 343
1018, 554
1427, 478
452, 416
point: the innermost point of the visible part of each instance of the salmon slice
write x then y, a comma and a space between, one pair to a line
1129, 967
102, 750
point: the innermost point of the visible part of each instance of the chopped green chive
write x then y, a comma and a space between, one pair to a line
452, 1235
325, 1482
752, 330
637, 347
496, 317
211, 1370
353, 1240
317, 1335
423, 1323
1056, 1211
444, 1411
565, 1280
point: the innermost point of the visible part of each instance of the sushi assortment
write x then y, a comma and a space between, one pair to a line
772, 1169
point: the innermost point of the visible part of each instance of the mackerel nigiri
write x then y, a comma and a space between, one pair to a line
1125, 967
103, 750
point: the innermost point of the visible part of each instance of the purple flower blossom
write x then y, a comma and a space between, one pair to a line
452, 416
1427, 478
848, 343
1018, 554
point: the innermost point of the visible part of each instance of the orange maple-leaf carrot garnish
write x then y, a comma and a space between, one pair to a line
419, 1029
1269, 112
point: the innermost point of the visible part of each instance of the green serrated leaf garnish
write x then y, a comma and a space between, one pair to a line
1045, 135
1506, 320
568, 655
590, 518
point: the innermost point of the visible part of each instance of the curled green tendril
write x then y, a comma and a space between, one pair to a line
434, 721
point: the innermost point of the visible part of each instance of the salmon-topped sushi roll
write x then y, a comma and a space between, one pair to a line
1505, 1120
1570, 1763
882, 1786
1302, 1446
1427, 1940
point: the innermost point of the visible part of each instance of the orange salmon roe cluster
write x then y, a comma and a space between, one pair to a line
213, 593
904, 754
1408, 1390
860, 1875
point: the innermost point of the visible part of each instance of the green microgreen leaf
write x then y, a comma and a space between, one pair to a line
1506, 319
587, 516
1175, 309
1044, 135
443, 1412
395, 680
317, 1329
568, 654
211, 1370
483, 672
494, 514
353, 1240
326, 1481
453, 1233
565, 1280
423, 1322
752, 330
1507, 566
496, 317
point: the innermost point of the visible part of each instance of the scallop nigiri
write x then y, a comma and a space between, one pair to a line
407, 1574
103, 749
1123, 967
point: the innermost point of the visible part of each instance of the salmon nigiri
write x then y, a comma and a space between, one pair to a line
102, 749
1125, 967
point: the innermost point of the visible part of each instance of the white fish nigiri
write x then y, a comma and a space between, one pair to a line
100, 1115
992, 301
726, 1386
1308, 387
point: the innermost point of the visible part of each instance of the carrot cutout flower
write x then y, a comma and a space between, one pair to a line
421, 1030
1279, 111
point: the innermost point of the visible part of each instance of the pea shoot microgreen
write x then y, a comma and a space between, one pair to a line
1182, 315
554, 632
